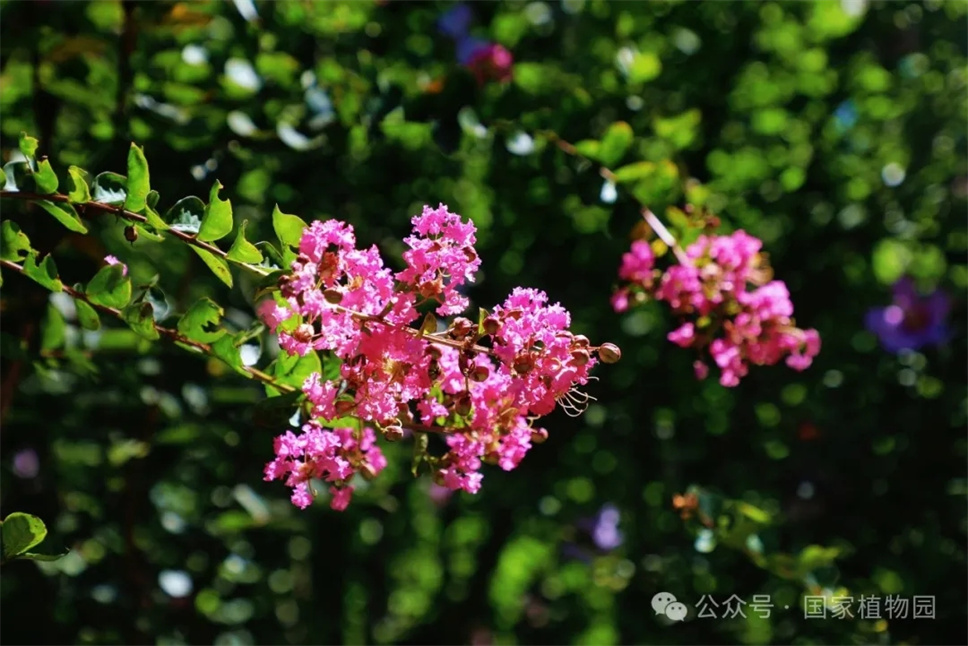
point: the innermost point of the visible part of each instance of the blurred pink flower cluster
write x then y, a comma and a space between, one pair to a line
480, 385
727, 303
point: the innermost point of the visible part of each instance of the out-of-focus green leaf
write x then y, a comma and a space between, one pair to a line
87, 316
53, 329
217, 218
615, 143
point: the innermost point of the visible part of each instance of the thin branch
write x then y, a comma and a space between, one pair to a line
172, 335
133, 217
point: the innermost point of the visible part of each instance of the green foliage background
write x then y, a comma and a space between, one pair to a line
790, 120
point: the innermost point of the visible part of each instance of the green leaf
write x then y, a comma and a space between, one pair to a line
65, 214
86, 315
28, 145
110, 188
635, 171
227, 349
140, 317
589, 148
138, 181
34, 556
270, 253
186, 215
288, 228
645, 67
421, 442
54, 329
293, 370
218, 265
109, 287
242, 250
616, 142
44, 273
20, 532
81, 192
217, 219
201, 321
45, 178
3, 178
156, 222
14, 241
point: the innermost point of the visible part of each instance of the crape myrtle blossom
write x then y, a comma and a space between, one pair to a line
480, 385
730, 309
913, 320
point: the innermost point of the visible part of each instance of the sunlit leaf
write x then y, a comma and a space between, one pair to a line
15, 243
201, 321
81, 192
242, 250
45, 178
139, 316
288, 228
138, 180
615, 143
44, 272
20, 532
218, 265
64, 213
217, 218
110, 287
28, 145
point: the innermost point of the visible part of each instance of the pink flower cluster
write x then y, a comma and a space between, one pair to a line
722, 288
479, 385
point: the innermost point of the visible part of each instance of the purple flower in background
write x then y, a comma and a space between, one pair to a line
456, 21
605, 533
603, 528
26, 464
912, 321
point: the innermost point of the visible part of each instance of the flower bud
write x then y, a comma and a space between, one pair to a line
130, 233
393, 433
333, 296
463, 406
609, 353
491, 325
480, 373
433, 352
580, 341
461, 327
538, 435
367, 470
304, 333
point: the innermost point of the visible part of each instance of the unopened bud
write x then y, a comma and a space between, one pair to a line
580, 341
333, 296
480, 373
369, 473
130, 233
463, 406
538, 435
491, 325
304, 333
461, 327
393, 433
609, 353
433, 352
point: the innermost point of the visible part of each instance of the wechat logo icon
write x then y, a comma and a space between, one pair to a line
664, 603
